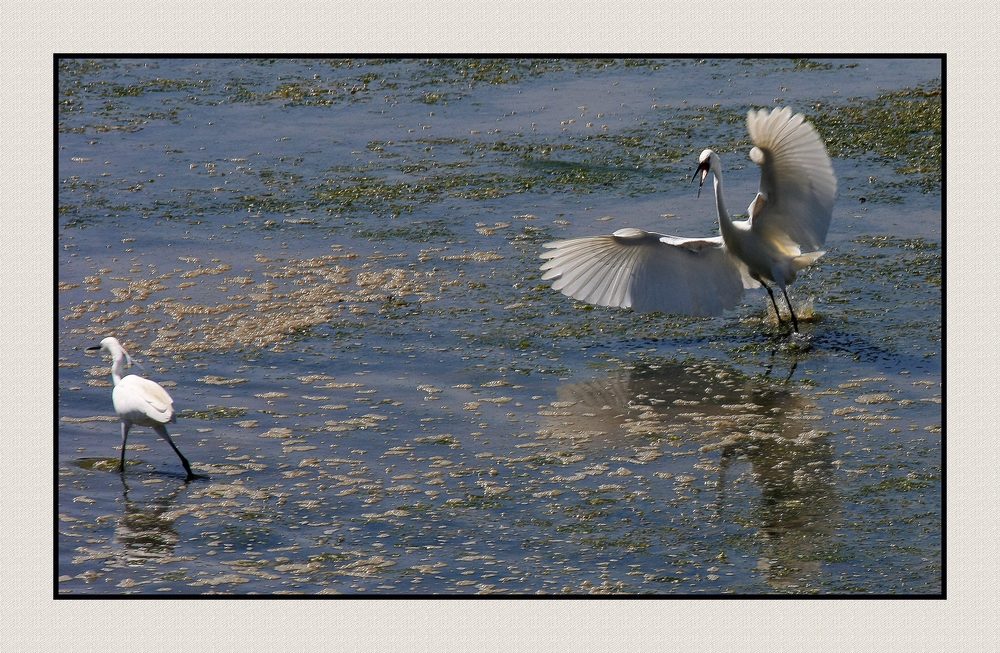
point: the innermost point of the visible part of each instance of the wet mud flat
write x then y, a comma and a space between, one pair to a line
332, 266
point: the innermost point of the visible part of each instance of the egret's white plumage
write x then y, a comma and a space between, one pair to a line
789, 219
142, 401
139, 401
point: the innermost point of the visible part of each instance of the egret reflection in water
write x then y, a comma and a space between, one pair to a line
702, 400
146, 527
751, 438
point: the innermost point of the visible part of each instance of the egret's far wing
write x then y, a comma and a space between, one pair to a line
796, 180
646, 271
140, 395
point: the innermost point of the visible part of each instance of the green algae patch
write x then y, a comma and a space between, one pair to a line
214, 413
897, 485
901, 128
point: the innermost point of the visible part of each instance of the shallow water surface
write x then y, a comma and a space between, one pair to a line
332, 266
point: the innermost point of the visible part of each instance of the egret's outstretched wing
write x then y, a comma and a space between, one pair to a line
648, 272
797, 186
137, 396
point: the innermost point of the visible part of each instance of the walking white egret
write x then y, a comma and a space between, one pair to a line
139, 401
789, 219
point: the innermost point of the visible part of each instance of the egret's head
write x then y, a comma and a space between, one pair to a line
704, 165
108, 344
113, 347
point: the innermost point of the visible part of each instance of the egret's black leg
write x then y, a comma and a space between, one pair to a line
791, 371
791, 311
162, 432
121, 460
770, 294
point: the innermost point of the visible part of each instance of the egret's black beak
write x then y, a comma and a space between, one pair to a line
703, 171
94, 348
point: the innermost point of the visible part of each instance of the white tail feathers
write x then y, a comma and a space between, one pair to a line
805, 260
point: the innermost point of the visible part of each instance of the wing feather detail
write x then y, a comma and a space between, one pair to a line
648, 272
142, 400
796, 180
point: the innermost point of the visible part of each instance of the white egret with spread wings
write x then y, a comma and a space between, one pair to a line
785, 232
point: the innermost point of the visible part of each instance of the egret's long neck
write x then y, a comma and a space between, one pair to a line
117, 367
725, 222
